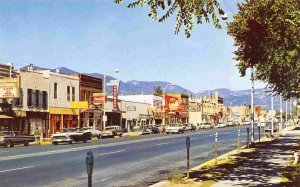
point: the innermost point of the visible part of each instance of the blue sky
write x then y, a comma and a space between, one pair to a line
99, 36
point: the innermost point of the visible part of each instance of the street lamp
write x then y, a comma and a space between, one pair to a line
252, 107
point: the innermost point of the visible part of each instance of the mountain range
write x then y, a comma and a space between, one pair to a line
231, 98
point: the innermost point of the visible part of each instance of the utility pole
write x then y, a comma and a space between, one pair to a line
280, 112
272, 120
252, 107
104, 91
286, 111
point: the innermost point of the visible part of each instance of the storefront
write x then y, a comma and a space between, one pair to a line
63, 118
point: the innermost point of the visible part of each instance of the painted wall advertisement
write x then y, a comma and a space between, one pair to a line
9, 88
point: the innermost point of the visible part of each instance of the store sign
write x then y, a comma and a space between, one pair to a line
81, 105
115, 98
99, 99
193, 107
131, 108
9, 88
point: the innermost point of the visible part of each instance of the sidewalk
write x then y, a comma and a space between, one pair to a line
267, 165
260, 166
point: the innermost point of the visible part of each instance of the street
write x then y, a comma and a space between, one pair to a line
128, 161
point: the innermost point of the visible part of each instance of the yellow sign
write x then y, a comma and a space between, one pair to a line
81, 105
98, 94
9, 88
64, 111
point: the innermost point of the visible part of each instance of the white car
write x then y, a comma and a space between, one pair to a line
175, 128
95, 132
221, 125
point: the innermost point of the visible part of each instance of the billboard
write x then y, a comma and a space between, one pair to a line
115, 98
99, 98
9, 88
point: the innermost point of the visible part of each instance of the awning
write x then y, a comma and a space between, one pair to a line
5, 117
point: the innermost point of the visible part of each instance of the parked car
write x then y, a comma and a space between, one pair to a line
205, 126
150, 130
111, 131
162, 128
10, 139
175, 128
268, 127
190, 127
70, 135
221, 125
94, 131
230, 124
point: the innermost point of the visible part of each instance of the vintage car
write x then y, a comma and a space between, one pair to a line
95, 132
71, 135
175, 128
150, 130
10, 139
190, 127
111, 131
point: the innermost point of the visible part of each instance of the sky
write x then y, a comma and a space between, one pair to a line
98, 36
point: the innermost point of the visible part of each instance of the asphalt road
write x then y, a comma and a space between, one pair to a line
128, 161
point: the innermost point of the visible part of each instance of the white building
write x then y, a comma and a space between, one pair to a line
155, 105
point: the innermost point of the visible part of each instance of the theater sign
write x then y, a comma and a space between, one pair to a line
9, 88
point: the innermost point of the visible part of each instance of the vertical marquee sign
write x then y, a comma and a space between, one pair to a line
115, 98
9, 88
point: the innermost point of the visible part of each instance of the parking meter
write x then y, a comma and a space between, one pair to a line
188, 143
89, 167
216, 137
89, 162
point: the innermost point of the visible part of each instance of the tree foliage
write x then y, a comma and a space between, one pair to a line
267, 37
158, 90
185, 10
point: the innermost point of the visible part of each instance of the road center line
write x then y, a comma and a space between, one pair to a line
164, 143
3, 171
194, 138
111, 152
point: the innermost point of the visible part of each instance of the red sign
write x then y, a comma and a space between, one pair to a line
99, 99
115, 98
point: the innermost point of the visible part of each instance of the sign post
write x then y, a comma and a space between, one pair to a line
238, 140
216, 148
248, 139
188, 145
89, 167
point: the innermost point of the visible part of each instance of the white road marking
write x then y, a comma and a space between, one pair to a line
164, 143
194, 138
47, 153
3, 171
111, 152
103, 180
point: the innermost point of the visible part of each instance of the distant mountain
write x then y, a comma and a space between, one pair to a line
233, 98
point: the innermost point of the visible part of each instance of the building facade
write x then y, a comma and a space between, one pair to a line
90, 86
176, 108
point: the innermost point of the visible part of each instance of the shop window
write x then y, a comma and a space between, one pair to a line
68, 93
29, 97
73, 93
55, 90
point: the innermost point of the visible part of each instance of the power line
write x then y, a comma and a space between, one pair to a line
228, 7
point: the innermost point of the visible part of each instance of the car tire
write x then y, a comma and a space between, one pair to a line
99, 136
9, 144
71, 142
167, 132
54, 143
26, 143
84, 141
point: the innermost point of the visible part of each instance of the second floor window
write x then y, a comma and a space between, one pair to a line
44, 99
55, 90
29, 97
73, 93
68, 93
37, 98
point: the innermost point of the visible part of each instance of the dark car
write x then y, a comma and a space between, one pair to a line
70, 135
151, 130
